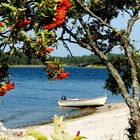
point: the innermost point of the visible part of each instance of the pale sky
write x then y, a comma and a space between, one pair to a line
120, 23
75, 50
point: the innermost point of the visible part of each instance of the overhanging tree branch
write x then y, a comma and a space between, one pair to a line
128, 52
96, 17
104, 58
66, 46
125, 42
76, 38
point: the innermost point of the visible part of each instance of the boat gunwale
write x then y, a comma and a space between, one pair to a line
83, 99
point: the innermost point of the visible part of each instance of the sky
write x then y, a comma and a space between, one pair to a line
120, 23
75, 50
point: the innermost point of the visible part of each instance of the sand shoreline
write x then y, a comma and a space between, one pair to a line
108, 123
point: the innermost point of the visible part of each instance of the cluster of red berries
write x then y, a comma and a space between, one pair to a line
6, 87
63, 6
44, 51
24, 22
54, 69
62, 75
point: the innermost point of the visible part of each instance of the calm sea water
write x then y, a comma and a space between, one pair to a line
34, 99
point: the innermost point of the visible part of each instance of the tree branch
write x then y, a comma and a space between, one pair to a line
69, 40
103, 57
95, 16
125, 41
66, 46
128, 52
83, 45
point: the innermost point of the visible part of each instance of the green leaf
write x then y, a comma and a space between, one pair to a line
80, 137
36, 134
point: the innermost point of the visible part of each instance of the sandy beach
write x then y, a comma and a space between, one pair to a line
108, 123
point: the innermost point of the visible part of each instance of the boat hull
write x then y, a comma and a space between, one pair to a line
99, 101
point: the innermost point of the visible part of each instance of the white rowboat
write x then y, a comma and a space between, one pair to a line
98, 101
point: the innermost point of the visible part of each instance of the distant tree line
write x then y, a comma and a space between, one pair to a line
22, 59
80, 60
84, 60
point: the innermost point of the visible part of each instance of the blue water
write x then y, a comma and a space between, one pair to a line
34, 99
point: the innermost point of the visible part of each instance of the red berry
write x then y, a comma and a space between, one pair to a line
0, 24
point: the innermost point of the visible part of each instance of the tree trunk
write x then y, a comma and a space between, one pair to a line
134, 130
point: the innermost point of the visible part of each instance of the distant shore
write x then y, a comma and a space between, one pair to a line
26, 66
95, 66
107, 123
88, 66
